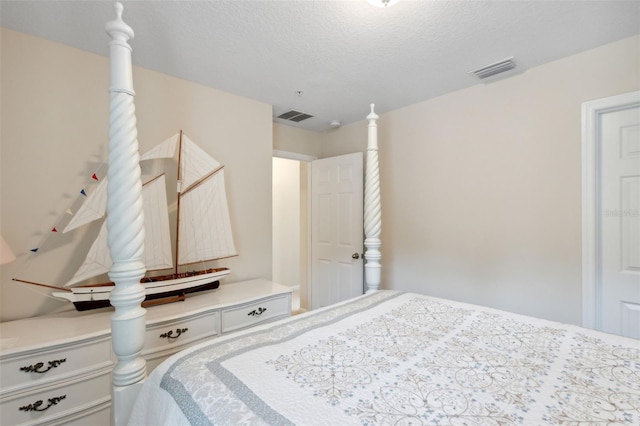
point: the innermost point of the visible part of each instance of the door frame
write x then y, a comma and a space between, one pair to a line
591, 285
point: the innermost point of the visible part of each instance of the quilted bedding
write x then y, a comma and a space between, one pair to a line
400, 358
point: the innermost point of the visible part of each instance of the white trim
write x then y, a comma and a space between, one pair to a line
309, 256
293, 155
591, 317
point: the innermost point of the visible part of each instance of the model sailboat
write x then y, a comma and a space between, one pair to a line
203, 230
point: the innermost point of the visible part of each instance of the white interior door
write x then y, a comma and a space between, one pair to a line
336, 229
620, 220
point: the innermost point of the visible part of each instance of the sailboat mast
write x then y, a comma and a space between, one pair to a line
178, 208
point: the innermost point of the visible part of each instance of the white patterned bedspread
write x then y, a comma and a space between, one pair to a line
400, 358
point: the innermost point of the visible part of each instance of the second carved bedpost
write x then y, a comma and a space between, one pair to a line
125, 225
372, 208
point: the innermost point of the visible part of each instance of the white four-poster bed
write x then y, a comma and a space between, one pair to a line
125, 220
382, 358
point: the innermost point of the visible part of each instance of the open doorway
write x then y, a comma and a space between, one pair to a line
290, 223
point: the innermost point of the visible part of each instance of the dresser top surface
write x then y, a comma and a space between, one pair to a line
72, 326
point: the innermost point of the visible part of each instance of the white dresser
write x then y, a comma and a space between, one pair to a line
56, 369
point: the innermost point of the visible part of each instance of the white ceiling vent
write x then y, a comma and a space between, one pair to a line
293, 115
495, 68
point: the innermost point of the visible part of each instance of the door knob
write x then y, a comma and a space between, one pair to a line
355, 256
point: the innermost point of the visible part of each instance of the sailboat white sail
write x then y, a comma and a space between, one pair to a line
157, 242
204, 226
92, 209
203, 230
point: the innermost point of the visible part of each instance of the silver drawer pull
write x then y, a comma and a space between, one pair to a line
169, 334
36, 405
257, 312
36, 368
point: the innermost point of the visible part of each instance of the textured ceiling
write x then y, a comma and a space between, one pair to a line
342, 55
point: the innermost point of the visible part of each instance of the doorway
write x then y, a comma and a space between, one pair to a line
328, 266
290, 224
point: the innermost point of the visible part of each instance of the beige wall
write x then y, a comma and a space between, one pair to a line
54, 133
481, 188
298, 141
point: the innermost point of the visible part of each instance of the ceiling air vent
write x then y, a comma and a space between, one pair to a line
495, 68
293, 115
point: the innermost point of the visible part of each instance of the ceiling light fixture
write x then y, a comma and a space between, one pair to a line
382, 3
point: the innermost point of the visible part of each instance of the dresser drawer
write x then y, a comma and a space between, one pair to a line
71, 399
99, 415
33, 370
156, 358
256, 312
167, 337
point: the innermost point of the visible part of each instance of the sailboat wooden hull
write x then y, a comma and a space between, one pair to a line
94, 297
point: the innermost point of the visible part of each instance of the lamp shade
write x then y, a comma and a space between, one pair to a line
6, 255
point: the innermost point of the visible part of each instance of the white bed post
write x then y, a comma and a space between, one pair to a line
125, 222
372, 217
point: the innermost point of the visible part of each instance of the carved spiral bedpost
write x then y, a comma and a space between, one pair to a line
125, 224
372, 216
